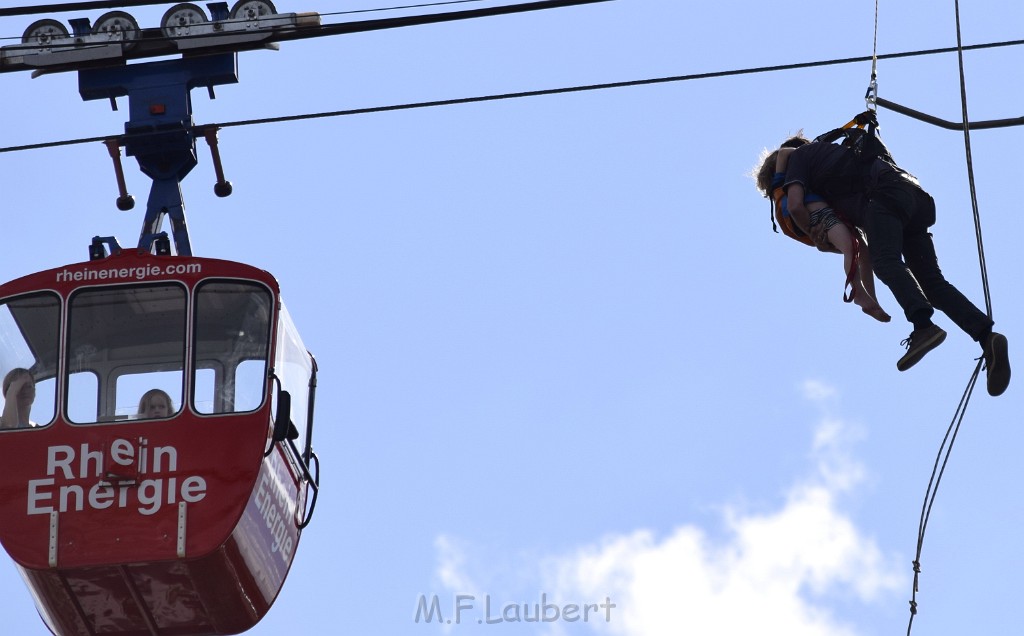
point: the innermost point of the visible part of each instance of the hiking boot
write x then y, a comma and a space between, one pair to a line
920, 342
997, 363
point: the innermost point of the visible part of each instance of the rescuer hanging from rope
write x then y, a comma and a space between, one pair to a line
859, 179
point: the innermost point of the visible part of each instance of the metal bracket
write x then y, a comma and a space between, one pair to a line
182, 521
950, 125
53, 539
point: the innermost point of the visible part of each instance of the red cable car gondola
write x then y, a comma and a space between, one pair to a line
182, 520
124, 524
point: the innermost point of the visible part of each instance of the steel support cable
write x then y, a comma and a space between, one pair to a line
65, 7
538, 93
107, 5
954, 427
343, 28
397, 8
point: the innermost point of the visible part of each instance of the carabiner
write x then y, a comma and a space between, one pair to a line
871, 96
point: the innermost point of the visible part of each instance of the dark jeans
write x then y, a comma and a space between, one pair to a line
896, 222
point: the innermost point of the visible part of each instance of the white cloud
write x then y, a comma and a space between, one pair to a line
816, 391
451, 566
771, 573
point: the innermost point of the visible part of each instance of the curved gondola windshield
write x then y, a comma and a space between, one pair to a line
124, 342
29, 346
295, 369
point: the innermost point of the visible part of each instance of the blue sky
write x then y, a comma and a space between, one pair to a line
562, 352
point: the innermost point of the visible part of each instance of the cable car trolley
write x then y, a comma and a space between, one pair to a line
156, 434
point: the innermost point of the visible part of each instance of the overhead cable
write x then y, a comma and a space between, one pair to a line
76, 6
160, 46
548, 91
397, 8
65, 7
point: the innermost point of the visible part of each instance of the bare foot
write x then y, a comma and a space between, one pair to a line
871, 307
877, 313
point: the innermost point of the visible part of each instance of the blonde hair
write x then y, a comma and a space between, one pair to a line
764, 171
149, 395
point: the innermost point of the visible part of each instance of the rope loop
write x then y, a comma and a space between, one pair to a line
938, 470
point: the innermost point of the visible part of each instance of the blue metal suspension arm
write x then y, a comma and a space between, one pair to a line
165, 198
160, 133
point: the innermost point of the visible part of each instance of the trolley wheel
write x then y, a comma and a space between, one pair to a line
252, 9
118, 26
179, 20
44, 32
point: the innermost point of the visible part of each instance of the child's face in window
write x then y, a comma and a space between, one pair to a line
157, 407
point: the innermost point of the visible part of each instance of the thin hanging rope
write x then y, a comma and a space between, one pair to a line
874, 47
871, 96
941, 459
970, 165
954, 427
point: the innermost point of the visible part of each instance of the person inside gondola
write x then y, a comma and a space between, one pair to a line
155, 404
19, 389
